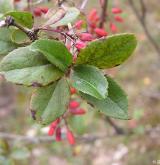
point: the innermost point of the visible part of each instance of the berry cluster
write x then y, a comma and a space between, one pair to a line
93, 31
55, 127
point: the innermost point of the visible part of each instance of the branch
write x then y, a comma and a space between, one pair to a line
141, 19
32, 34
118, 130
48, 139
103, 14
143, 9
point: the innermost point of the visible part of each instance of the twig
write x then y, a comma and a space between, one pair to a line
143, 9
60, 2
32, 34
141, 19
83, 5
29, 4
118, 130
103, 14
48, 139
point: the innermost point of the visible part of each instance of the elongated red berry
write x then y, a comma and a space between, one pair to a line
73, 90
73, 104
100, 32
92, 15
113, 28
44, 9
17, 1
55, 123
118, 18
97, 18
86, 37
116, 10
70, 137
51, 131
37, 12
77, 111
53, 127
80, 45
93, 24
58, 134
78, 24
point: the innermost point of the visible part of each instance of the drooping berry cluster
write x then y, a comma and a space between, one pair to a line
55, 128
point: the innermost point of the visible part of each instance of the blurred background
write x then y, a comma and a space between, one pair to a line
136, 142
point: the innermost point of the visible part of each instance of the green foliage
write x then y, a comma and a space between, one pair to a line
6, 45
23, 66
108, 52
23, 18
115, 105
19, 37
55, 52
44, 63
90, 80
50, 102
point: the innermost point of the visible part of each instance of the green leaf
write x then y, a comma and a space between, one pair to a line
6, 5
70, 16
19, 37
108, 52
115, 105
90, 80
6, 45
21, 17
55, 52
49, 103
23, 66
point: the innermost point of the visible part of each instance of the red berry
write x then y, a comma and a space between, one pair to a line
73, 104
73, 90
77, 111
96, 19
55, 123
58, 134
100, 32
44, 9
70, 137
92, 24
113, 28
17, 1
116, 10
92, 15
86, 37
118, 18
78, 24
51, 131
37, 12
53, 127
80, 45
